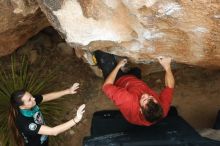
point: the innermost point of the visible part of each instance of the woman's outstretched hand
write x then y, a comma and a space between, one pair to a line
72, 90
79, 113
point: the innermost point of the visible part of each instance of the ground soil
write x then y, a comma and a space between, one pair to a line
196, 94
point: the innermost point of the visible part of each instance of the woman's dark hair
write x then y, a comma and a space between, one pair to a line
15, 102
152, 111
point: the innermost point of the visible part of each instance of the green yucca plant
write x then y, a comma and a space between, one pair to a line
19, 76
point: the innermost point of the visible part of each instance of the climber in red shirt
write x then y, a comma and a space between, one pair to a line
138, 103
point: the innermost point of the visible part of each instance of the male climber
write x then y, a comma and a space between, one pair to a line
138, 103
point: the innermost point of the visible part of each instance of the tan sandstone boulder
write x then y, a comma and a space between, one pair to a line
186, 30
19, 20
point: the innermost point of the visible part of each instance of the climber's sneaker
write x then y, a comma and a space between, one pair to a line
105, 61
88, 56
94, 59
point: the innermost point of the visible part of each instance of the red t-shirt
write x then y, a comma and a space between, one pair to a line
126, 93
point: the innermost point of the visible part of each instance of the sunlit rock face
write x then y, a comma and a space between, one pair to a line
186, 30
19, 20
